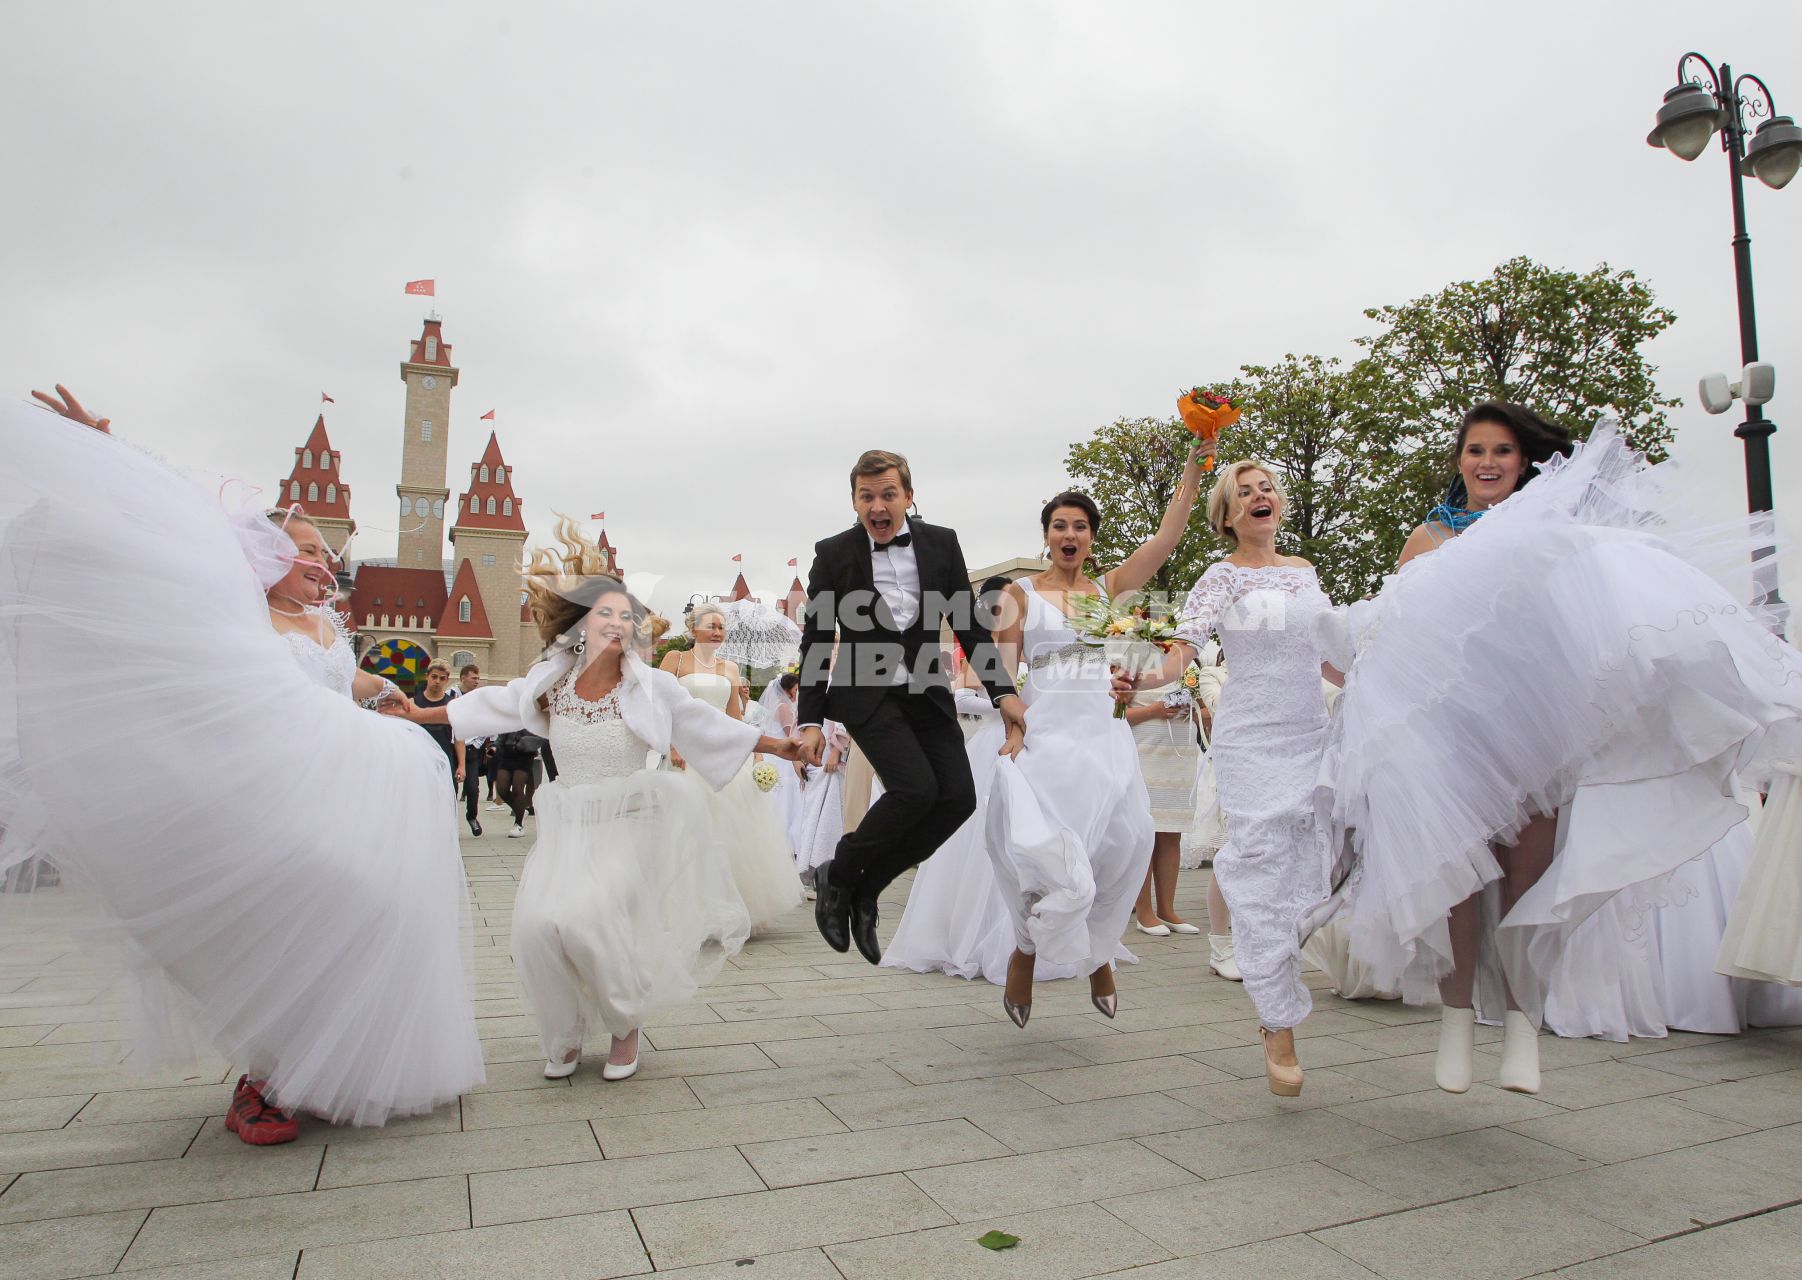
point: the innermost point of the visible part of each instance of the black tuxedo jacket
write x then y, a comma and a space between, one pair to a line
842, 601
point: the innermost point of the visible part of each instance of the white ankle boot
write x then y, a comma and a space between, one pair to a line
1457, 1041
1220, 957
1520, 1053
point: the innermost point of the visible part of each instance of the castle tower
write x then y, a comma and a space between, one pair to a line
490, 536
315, 485
429, 375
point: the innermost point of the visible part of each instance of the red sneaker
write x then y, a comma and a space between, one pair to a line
255, 1121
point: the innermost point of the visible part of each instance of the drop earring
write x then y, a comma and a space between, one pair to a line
581, 645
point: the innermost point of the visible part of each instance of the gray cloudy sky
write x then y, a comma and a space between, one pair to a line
699, 255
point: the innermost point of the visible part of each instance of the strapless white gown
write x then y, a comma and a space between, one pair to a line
747, 825
1069, 822
280, 865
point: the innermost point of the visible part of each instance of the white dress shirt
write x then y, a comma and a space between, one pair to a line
896, 573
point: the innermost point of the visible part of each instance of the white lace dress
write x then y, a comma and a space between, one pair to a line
280, 865
624, 907
1269, 731
1069, 822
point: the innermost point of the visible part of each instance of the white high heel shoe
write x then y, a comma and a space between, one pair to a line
563, 1070
1159, 930
1221, 961
1457, 1042
1520, 1054
621, 1070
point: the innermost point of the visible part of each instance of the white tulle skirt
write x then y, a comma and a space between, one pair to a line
748, 830
1560, 653
278, 866
1763, 936
625, 906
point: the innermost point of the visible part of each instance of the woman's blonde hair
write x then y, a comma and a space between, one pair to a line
563, 583
1220, 497
701, 611
656, 627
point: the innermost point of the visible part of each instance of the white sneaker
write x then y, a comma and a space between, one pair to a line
1457, 1041
495, 806
516, 832
1221, 961
1520, 1053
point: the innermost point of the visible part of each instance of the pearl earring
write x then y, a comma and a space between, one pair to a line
581, 645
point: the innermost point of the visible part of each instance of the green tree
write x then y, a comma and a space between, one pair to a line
1567, 345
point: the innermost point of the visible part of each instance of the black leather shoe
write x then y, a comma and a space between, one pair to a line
832, 912
863, 931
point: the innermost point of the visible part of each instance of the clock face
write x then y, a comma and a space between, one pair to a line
429, 382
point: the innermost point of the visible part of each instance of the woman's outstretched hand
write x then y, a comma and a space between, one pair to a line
65, 405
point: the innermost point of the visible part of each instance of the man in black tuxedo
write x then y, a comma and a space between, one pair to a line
883, 587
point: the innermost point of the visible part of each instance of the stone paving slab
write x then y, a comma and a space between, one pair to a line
811, 1118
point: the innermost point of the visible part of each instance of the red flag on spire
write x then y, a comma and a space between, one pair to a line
739, 558
599, 515
425, 288
791, 564
489, 416
325, 399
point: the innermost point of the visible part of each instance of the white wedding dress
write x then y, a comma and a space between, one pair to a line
279, 865
1620, 680
956, 921
1069, 822
1269, 730
747, 825
625, 906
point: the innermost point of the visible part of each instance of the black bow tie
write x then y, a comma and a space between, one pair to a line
899, 540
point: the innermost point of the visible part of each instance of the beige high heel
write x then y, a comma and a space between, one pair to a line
1285, 1082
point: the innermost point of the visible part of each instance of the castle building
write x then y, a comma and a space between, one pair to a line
420, 606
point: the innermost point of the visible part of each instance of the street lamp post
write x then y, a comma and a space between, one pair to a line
1706, 101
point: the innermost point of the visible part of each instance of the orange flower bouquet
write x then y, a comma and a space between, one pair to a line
1206, 414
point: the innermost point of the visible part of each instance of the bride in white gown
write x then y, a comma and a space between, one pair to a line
1069, 821
280, 865
746, 825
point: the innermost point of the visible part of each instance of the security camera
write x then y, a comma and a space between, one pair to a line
1758, 382
1715, 392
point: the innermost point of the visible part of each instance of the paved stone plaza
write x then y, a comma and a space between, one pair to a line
814, 1117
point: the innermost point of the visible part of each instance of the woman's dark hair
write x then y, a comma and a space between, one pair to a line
1071, 498
788, 681
1537, 439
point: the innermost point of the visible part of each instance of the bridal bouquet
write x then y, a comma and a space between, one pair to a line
1206, 414
1186, 688
763, 773
1131, 634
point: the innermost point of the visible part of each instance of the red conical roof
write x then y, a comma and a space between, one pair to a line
440, 354
489, 503
451, 623
314, 482
741, 590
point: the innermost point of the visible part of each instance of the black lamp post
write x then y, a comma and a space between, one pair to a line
1704, 102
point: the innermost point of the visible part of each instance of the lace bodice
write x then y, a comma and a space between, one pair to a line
1262, 616
592, 742
334, 668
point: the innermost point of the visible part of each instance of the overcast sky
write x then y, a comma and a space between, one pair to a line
698, 256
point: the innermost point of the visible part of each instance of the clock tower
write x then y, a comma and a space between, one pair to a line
429, 375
